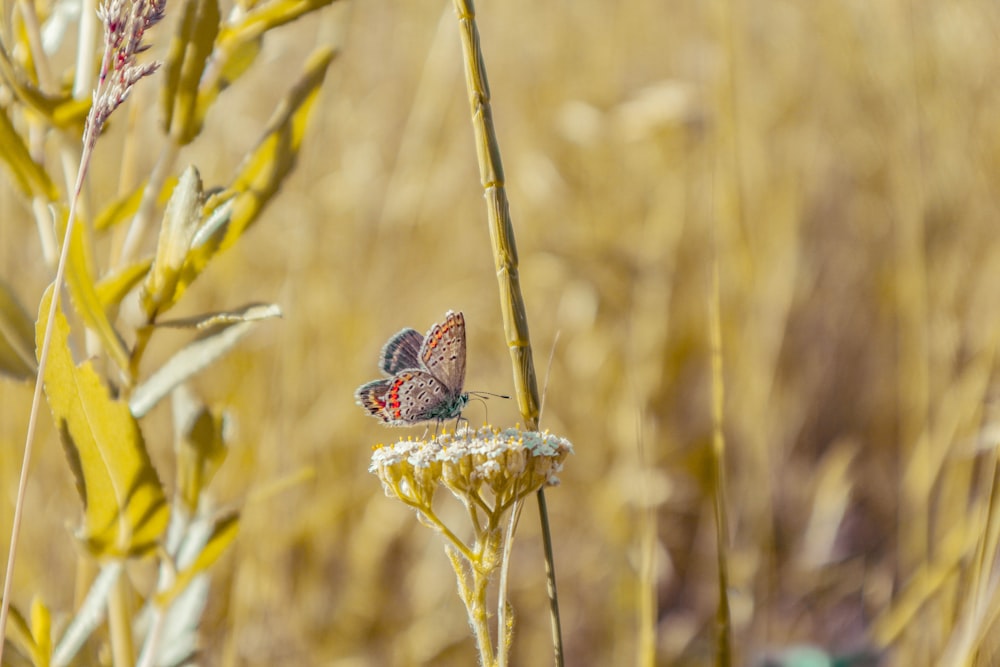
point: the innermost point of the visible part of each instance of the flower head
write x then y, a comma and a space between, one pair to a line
488, 470
508, 463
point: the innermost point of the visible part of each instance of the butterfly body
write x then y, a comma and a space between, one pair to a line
426, 376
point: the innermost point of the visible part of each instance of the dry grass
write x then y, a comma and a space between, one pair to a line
859, 255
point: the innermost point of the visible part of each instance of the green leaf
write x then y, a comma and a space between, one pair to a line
265, 17
125, 511
41, 631
163, 286
265, 168
21, 638
112, 288
125, 206
200, 446
196, 356
229, 214
189, 51
17, 357
239, 42
239, 58
79, 279
62, 110
250, 313
223, 533
29, 176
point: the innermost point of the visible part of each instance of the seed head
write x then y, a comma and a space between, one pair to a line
125, 26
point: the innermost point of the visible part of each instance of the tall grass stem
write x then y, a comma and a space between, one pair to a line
515, 317
36, 399
723, 648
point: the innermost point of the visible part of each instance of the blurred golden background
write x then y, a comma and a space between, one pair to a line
837, 158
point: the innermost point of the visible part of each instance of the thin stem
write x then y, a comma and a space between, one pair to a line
475, 611
439, 525
151, 650
512, 306
646, 642
723, 656
36, 399
83, 77
729, 216
550, 578
140, 221
545, 382
46, 230
503, 624
32, 29
479, 617
482, 504
100, 110
498, 210
120, 625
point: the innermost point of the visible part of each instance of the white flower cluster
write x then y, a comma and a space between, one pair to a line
511, 463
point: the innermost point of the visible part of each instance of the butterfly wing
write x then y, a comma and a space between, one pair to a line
410, 397
442, 353
372, 397
401, 352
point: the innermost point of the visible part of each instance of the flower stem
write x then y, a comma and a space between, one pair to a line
474, 598
458, 544
506, 264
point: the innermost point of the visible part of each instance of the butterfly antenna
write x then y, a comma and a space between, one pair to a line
483, 395
545, 384
482, 399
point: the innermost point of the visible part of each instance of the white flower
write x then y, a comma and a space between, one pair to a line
509, 463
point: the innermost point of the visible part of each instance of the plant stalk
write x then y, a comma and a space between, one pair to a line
512, 307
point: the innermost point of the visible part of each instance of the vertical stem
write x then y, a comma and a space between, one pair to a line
474, 599
87, 32
550, 578
647, 607
141, 219
728, 223
723, 651
480, 618
89, 138
504, 623
33, 32
515, 317
120, 624
151, 648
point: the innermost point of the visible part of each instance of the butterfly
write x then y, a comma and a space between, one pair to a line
426, 376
